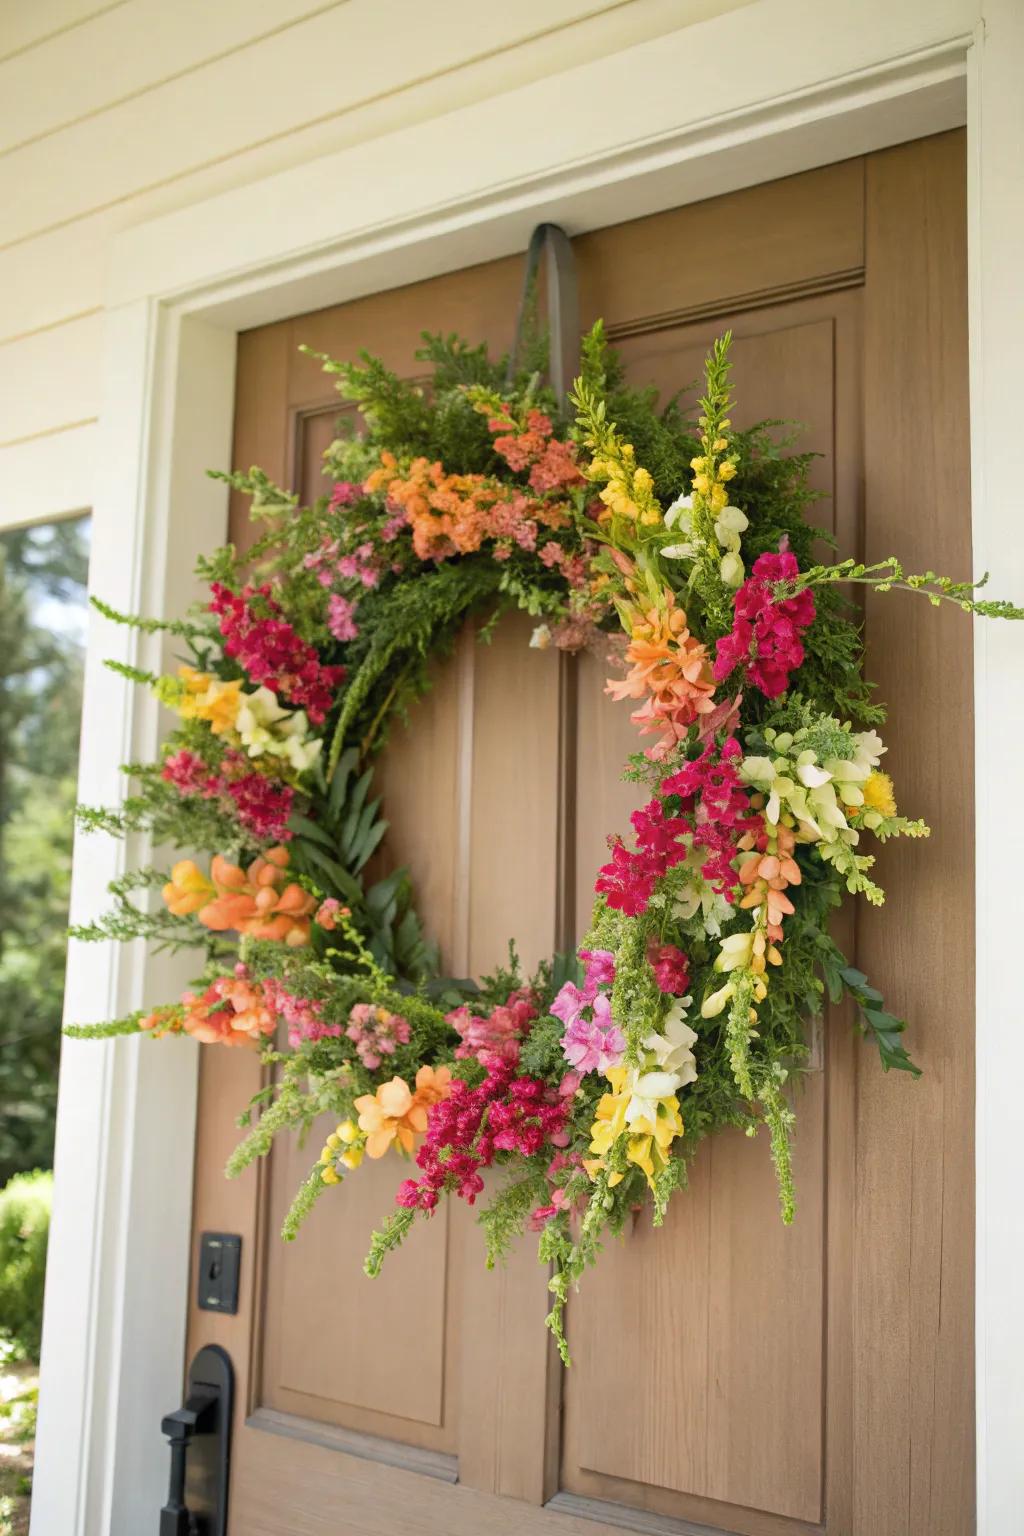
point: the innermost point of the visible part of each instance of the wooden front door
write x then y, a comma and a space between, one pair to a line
729, 1374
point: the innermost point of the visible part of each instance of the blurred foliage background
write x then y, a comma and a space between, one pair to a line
42, 628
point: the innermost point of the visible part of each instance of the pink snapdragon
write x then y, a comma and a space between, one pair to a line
303, 1016
592, 1041
551, 462
766, 636
341, 617
596, 1043
344, 493
494, 1038
190, 776
375, 1033
262, 805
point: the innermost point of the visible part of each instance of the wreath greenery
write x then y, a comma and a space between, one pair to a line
680, 552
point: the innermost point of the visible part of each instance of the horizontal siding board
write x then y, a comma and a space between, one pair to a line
262, 95
50, 380
48, 477
32, 23
59, 274
122, 52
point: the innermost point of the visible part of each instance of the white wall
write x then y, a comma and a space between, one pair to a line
111, 115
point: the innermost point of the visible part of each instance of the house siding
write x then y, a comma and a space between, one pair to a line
113, 115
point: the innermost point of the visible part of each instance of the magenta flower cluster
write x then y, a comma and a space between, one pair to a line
629, 878
766, 636
715, 798
713, 812
671, 967
270, 651
375, 1033
262, 805
504, 1113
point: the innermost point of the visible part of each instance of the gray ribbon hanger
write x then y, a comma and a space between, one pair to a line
563, 311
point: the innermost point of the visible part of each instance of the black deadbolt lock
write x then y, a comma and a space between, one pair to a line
220, 1258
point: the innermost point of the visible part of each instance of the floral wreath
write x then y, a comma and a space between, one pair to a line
592, 1082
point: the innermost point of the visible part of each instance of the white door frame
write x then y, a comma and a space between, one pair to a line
689, 118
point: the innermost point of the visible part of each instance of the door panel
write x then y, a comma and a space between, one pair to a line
728, 1371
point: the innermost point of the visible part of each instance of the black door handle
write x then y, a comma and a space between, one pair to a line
199, 1436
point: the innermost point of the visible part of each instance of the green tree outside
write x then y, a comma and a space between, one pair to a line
42, 624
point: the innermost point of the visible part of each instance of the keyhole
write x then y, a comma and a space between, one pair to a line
213, 1273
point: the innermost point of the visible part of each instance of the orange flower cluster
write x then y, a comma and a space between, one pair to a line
395, 1113
767, 874
253, 901
671, 667
454, 514
232, 1011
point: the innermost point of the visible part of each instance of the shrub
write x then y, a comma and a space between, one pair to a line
24, 1231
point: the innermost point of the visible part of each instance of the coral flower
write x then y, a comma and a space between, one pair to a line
672, 668
232, 1011
391, 1114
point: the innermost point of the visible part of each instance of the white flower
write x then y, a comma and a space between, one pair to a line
731, 569
645, 1092
713, 1005
541, 638
300, 753
680, 515
673, 1048
730, 522
256, 714
869, 747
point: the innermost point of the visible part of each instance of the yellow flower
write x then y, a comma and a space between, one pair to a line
701, 484
726, 470
878, 793
642, 1107
188, 888
206, 698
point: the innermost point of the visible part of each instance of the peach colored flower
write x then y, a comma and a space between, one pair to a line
253, 901
767, 875
395, 1113
432, 1085
231, 1011
391, 1114
671, 667
188, 888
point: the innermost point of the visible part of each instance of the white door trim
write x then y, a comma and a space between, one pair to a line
420, 202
